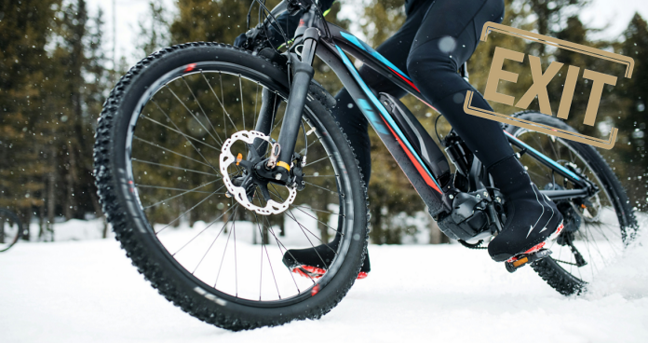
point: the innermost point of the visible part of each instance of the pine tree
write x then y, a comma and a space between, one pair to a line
633, 94
154, 29
25, 29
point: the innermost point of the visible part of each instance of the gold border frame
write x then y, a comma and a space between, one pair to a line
561, 44
527, 124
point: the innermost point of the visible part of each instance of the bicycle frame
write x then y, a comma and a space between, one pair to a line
333, 51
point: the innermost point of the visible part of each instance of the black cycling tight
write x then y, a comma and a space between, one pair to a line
434, 42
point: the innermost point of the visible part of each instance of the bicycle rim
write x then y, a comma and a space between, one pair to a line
173, 149
600, 237
10, 229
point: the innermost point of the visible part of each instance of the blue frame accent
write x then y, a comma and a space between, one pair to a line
362, 45
383, 111
547, 159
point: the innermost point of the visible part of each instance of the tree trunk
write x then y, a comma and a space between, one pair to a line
51, 196
41, 221
282, 225
25, 234
265, 234
376, 224
99, 213
70, 178
2, 228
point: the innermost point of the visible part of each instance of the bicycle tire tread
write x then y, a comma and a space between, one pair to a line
137, 252
552, 273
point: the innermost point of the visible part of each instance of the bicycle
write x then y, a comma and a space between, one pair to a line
11, 229
189, 154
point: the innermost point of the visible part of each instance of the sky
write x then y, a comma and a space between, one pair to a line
616, 14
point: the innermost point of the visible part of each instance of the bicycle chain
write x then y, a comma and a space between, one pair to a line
476, 246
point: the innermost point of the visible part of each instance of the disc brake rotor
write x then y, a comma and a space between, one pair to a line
240, 193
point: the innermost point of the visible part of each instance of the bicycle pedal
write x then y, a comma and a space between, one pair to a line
309, 271
519, 261
316, 273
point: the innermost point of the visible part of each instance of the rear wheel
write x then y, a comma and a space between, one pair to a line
597, 229
172, 163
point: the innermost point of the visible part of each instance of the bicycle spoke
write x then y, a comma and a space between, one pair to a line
189, 210
287, 251
274, 278
180, 133
224, 251
321, 159
242, 107
313, 142
320, 187
203, 230
321, 222
316, 210
235, 259
292, 216
220, 140
589, 253
210, 246
276, 124
169, 150
184, 135
256, 102
173, 167
193, 115
597, 241
261, 265
138, 185
175, 160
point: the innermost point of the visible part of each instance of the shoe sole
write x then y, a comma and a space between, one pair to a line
540, 245
316, 273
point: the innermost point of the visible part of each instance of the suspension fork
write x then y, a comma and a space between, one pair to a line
269, 104
302, 75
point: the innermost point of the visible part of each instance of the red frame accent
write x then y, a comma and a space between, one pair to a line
404, 79
418, 166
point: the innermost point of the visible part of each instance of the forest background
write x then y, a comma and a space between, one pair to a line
55, 72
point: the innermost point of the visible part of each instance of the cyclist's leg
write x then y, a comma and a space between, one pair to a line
446, 39
448, 36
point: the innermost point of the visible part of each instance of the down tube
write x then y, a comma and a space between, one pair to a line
424, 183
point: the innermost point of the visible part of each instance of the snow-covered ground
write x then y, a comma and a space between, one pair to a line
87, 291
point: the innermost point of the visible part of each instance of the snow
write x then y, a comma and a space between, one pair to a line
87, 291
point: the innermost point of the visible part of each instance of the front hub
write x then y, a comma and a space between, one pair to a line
242, 188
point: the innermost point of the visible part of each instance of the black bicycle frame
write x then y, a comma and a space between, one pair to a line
333, 50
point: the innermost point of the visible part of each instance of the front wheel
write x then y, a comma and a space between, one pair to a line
172, 163
11, 229
598, 228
